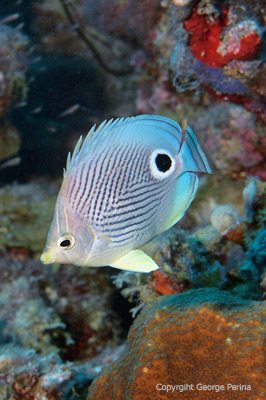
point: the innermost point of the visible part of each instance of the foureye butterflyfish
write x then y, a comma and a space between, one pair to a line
128, 182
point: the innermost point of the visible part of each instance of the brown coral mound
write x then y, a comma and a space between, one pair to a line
202, 336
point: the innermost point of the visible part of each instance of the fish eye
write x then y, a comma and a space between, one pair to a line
162, 164
66, 241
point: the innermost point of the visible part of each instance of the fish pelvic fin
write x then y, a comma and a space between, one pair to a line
136, 261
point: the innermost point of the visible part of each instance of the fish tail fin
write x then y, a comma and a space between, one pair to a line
190, 155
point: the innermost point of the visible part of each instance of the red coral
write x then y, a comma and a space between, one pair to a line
236, 235
202, 336
165, 285
250, 46
205, 40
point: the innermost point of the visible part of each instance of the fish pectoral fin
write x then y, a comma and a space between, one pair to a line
136, 261
186, 188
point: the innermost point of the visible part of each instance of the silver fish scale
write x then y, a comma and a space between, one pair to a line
116, 193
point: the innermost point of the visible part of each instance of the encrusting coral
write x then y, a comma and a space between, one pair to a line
204, 336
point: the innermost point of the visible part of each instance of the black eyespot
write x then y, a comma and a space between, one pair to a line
65, 243
163, 162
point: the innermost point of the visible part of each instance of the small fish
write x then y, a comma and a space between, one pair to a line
20, 26
31, 79
20, 104
129, 181
31, 50
51, 129
69, 111
36, 60
10, 18
37, 110
12, 162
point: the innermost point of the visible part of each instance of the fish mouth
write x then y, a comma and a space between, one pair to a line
47, 257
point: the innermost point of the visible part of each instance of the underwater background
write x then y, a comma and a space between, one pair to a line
98, 333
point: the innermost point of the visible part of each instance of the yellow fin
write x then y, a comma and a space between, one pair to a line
136, 261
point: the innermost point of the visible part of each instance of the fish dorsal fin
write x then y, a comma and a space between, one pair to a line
191, 154
150, 128
71, 160
184, 131
106, 129
136, 261
101, 132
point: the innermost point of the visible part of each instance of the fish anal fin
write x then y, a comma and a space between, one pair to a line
136, 261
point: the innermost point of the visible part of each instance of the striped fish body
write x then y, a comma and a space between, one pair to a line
131, 180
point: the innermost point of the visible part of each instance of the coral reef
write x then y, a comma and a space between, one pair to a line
13, 86
14, 63
25, 214
26, 375
200, 336
54, 310
216, 38
126, 19
221, 36
57, 328
202, 79
211, 51
225, 218
9, 141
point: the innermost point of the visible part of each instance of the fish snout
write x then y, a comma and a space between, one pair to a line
47, 257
